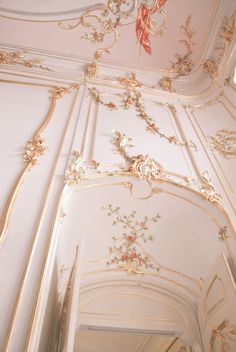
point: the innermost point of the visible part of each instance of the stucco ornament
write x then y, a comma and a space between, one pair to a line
224, 143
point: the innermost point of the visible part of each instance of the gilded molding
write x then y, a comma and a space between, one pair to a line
34, 148
224, 143
17, 58
183, 64
208, 190
124, 252
211, 68
220, 334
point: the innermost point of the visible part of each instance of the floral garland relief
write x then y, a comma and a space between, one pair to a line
17, 58
127, 253
132, 97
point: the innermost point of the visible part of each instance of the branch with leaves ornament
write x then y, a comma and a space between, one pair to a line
139, 165
126, 252
17, 58
133, 98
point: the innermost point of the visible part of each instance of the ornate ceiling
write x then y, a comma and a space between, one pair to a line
147, 34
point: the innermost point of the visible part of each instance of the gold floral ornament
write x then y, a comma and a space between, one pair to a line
211, 68
183, 64
227, 32
75, 171
17, 58
208, 190
140, 165
127, 252
166, 84
220, 335
34, 149
224, 143
91, 70
59, 92
78, 169
133, 97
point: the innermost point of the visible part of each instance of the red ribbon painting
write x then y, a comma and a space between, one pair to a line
143, 23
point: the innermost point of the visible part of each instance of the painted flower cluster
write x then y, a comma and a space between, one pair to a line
127, 252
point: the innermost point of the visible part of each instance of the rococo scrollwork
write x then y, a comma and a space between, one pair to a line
103, 21
208, 190
220, 336
224, 143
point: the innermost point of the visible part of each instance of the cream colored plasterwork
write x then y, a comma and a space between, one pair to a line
34, 148
220, 336
208, 190
224, 143
133, 97
17, 58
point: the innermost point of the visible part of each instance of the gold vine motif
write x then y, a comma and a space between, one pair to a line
219, 334
18, 58
184, 64
124, 252
103, 19
224, 143
133, 97
34, 148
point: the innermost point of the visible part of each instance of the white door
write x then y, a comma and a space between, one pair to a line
217, 309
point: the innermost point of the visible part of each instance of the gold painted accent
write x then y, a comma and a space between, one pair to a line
103, 20
227, 33
184, 64
211, 68
59, 92
223, 234
64, 311
17, 58
91, 70
140, 165
133, 97
219, 335
166, 84
34, 148
75, 171
224, 143
208, 190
